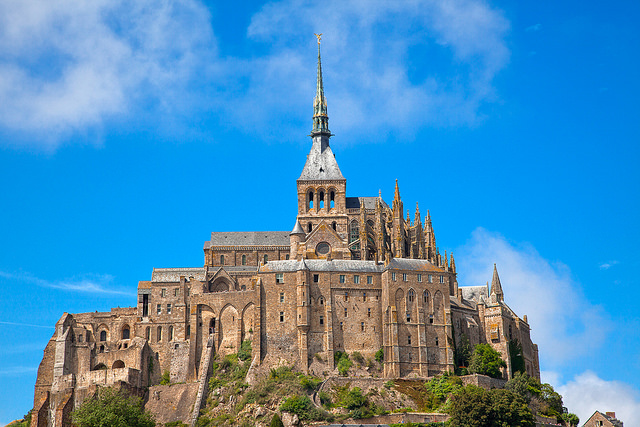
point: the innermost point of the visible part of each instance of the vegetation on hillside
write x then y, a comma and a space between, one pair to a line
112, 408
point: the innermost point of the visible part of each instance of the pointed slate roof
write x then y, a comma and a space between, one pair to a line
496, 287
297, 229
321, 163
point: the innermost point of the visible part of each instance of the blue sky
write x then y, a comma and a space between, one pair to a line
129, 132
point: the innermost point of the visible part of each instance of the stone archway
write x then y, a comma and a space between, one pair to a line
229, 326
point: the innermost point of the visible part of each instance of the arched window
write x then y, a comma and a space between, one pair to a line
221, 259
321, 301
354, 231
244, 260
310, 200
332, 200
125, 333
266, 258
102, 349
334, 225
425, 298
321, 199
410, 295
159, 333
118, 364
309, 227
103, 335
170, 333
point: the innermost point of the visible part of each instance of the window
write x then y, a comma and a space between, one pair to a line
431, 318
368, 312
425, 297
323, 248
404, 277
279, 277
411, 295
286, 256
188, 331
163, 293
221, 259
408, 339
364, 296
159, 334
321, 200
316, 278
393, 276
310, 199
345, 312
321, 301
281, 316
168, 308
342, 278
354, 231
362, 326
437, 341
441, 278
147, 333
170, 333
281, 296
126, 333
430, 278
356, 279
103, 335
419, 277
346, 296
309, 228
244, 260
334, 224
369, 280
332, 200
408, 317
266, 258
322, 320
340, 325
159, 308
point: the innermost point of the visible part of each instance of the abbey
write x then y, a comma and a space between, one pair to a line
354, 274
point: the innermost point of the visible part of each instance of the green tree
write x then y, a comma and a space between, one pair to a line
463, 352
515, 354
112, 408
570, 419
166, 378
276, 421
524, 386
486, 361
476, 407
379, 356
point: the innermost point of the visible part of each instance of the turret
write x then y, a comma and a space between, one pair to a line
496, 287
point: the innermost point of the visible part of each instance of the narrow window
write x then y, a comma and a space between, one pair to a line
345, 312
266, 258
322, 320
356, 279
159, 308
279, 277
176, 292
188, 331
170, 333
404, 277
244, 260
147, 333
393, 276
316, 278
409, 340
332, 201
159, 335
321, 200
410, 295
368, 312
221, 259
321, 301
354, 231
441, 278
419, 277
281, 296
346, 296
437, 341
425, 297
430, 278
281, 316
103, 335
340, 325
310, 200
309, 227
369, 280
168, 308
364, 297
334, 225
408, 317
286, 256
362, 326
125, 333
431, 318
163, 293
342, 278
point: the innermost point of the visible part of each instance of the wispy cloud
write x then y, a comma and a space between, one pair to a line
587, 393
535, 27
94, 284
564, 324
13, 371
69, 68
608, 265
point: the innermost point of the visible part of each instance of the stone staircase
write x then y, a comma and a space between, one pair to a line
204, 381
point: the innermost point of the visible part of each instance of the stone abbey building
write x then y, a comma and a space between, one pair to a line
354, 274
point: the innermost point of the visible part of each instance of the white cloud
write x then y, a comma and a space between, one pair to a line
535, 27
69, 65
563, 323
94, 283
608, 265
587, 393
17, 370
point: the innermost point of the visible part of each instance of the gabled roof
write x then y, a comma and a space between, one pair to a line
249, 238
321, 163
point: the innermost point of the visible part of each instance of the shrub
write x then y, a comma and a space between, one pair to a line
344, 365
110, 407
379, 356
357, 356
276, 421
302, 406
245, 351
166, 378
486, 361
325, 399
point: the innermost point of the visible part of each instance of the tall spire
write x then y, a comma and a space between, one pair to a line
496, 286
320, 117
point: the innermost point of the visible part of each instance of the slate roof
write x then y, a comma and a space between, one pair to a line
321, 163
412, 264
337, 265
249, 238
368, 202
297, 229
172, 275
474, 293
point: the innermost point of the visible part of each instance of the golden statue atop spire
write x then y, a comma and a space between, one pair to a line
319, 36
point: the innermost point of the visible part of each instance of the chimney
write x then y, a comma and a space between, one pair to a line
611, 414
